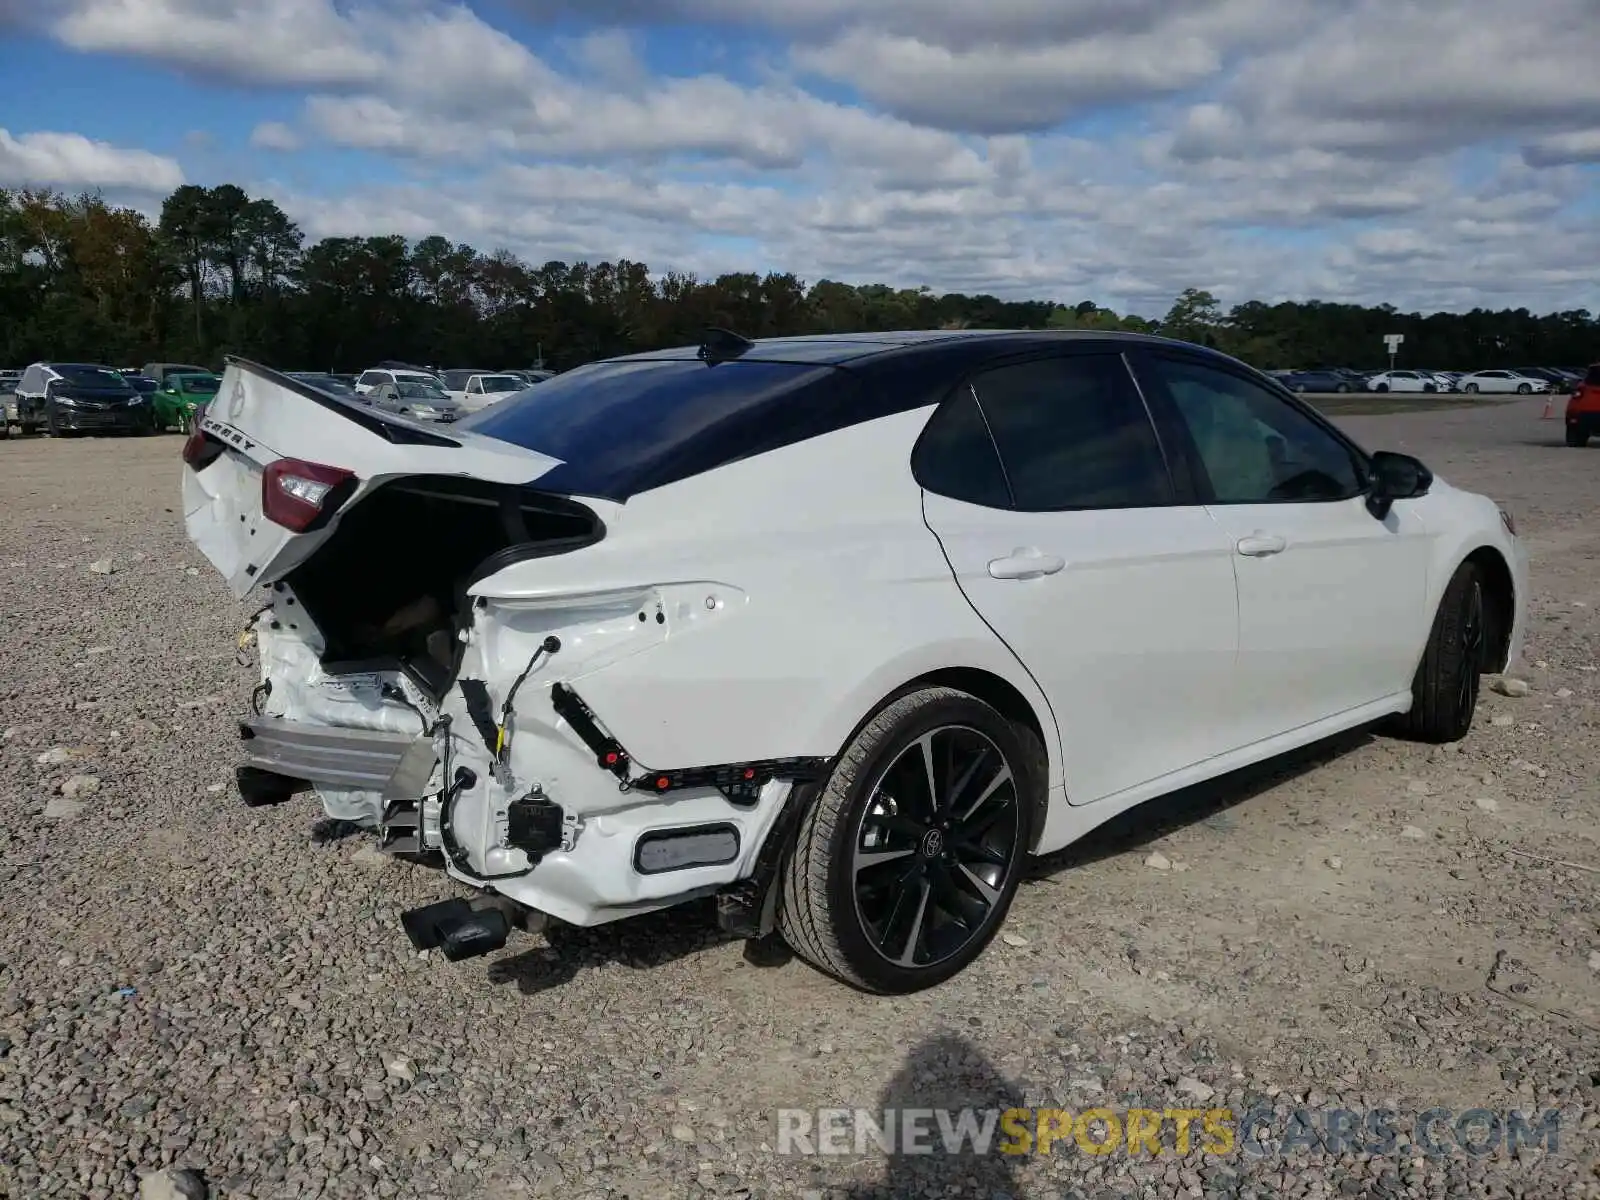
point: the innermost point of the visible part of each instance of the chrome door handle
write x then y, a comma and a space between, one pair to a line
1260, 545
1025, 564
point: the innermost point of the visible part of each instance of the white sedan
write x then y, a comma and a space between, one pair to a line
840, 631
1502, 382
1403, 381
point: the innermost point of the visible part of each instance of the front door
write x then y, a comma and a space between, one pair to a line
1332, 601
1047, 486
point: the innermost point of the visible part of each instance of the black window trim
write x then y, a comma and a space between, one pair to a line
1181, 488
1170, 419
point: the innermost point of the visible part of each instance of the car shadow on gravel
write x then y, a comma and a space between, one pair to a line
643, 943
948, 1074
1203, 802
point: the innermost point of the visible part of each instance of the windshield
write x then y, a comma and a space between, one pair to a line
503, 383
140, 384
411, 390
456, 381
205, 385
78, 375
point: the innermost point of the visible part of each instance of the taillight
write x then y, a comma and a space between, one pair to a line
200, 450
302, 495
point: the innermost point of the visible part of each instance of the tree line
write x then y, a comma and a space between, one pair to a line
222, 272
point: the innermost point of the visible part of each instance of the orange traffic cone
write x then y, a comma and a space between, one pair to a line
1549, 409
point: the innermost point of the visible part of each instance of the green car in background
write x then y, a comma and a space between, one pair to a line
175, 401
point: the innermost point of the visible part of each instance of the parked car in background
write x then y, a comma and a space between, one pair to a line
1500, 382
147, 388
421, 401
1558, 380
334, 385
475, 391
381, 375
1583, 409
1402, 381
8, 399
181, 395
64, 398
807, 623
160, 371
1315, 380
532, 376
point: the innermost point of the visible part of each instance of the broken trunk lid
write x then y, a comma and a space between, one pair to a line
324, 455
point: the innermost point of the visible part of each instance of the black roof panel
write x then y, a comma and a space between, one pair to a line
626, 425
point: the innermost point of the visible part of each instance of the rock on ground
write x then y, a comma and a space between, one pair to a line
173, 1184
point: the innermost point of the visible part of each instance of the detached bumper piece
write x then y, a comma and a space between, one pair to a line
741, 782
456, 928
396, 764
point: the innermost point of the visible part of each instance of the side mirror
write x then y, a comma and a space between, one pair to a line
1395, 477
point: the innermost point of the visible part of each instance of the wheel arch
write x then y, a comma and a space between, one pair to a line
1501, 593
1005, 698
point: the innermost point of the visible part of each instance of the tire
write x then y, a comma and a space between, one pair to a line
1524, 389
1342, 388
1471, 389
1382, 387
51, 429
1444, 693
1577, 437
881, 925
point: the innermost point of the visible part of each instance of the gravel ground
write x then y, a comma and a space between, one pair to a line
187, 983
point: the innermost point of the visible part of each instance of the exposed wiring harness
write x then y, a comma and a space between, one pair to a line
391, 691
464, 777
247, 635
502, 734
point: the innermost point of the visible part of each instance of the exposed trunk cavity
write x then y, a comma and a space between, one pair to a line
391, 582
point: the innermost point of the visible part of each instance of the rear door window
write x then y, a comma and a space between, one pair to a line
1073, 434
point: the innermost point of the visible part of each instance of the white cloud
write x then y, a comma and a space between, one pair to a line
70, 160
1559, 149
306, 42
1424, 152
274, 135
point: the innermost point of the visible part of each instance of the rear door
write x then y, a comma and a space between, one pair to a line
266, 439
1047, 486
1333, 603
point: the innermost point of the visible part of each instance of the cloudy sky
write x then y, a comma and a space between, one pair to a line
1430, 153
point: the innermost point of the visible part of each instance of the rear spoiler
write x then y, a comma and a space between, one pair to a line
391, 427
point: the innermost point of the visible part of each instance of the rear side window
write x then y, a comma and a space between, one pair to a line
1073, 434
627, 426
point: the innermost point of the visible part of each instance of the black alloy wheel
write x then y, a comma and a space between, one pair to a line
907, 858
1445, 689
932, 849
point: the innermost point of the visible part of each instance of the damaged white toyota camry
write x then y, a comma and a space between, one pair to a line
837, 630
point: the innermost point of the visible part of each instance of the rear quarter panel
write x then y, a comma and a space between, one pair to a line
842, 596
